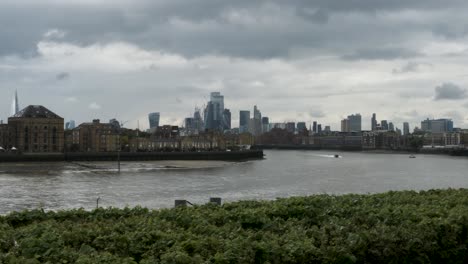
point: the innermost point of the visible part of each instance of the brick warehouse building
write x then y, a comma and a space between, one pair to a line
34, 129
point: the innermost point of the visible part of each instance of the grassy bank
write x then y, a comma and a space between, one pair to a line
394, 227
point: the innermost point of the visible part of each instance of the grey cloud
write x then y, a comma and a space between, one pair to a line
317, 113
318, 15
449, 91
411, 66
382, 54
320, 25
62, 76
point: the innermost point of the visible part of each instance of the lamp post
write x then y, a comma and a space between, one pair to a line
119, 147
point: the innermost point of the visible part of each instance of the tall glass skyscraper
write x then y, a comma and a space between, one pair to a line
154, 120
244, 117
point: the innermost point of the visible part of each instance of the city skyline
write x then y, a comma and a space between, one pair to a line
352, 123
136, 59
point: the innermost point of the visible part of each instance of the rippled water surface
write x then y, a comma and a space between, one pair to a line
281, 174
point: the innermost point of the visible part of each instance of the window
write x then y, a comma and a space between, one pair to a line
54, 135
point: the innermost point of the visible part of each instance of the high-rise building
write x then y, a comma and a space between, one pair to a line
351, 124
437, 125
291, 127
265, 124
214, 112
189, 123
15, 104
345, 125
314, 127
355, 123
199, 125
301, 127
319, 128
226, 119
406, 129
384, 124
391, 127
153, 120
70, 125
218, 100
374, 122
244, 117
255, 126
327, 129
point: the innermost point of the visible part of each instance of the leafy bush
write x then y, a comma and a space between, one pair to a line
394, 227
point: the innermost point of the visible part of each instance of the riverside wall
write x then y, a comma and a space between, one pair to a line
133, 156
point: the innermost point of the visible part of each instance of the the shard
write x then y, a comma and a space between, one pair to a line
15, 105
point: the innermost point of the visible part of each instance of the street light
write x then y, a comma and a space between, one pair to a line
119, 145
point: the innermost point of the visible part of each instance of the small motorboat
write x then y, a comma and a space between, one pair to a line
337, 156
412, 156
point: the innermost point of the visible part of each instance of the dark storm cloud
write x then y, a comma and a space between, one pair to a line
207, 27
449, 91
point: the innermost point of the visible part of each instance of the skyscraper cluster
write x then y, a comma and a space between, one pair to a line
215, 115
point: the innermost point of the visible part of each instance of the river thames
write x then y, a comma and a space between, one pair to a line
157, 184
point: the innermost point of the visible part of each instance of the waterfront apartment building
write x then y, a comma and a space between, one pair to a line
94, 137
36, 129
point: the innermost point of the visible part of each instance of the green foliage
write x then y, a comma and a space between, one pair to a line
394, 227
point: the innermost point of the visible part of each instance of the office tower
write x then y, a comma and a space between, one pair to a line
354, 123
198, 124
437, 125
226, 119
214, 112
70, 125
244, 117
374, 122
314, 127
255, 126
153, 120
265, 124
384, 125
218, 100
291, 127
301, 127
391, 127
406, 129
319, 128
189, 123
345, 125
15, 105
327, 129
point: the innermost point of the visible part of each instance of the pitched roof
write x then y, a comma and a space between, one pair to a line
36, 111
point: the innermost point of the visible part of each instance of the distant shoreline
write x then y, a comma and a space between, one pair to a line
435, 151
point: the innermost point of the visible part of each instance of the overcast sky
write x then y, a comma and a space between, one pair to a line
301, 60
